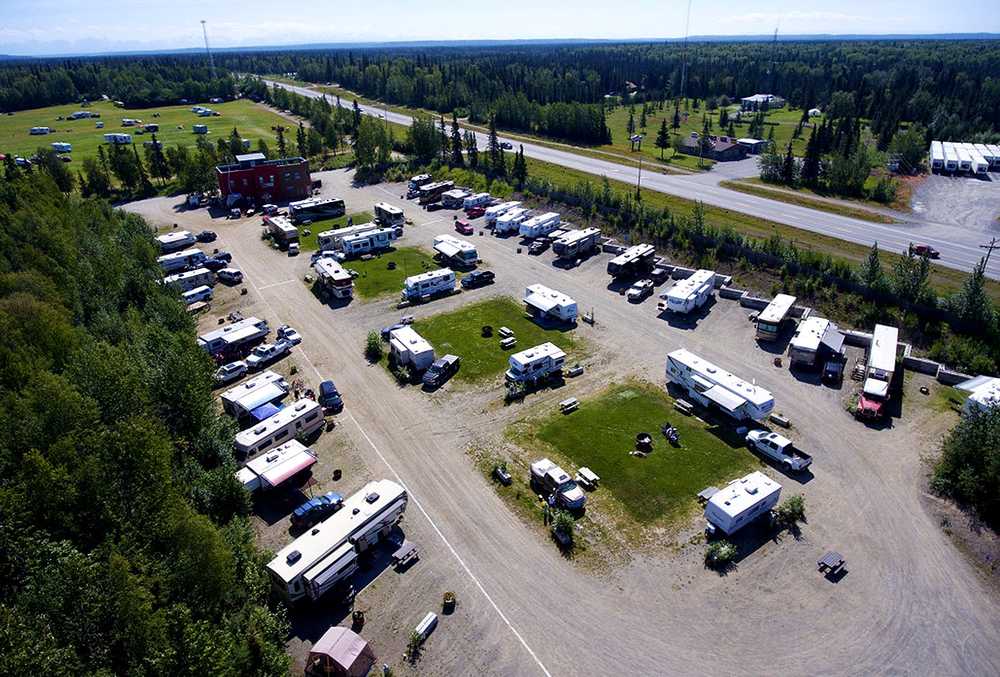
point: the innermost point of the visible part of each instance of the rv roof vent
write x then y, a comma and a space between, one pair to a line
259, 429
710, 370
300, 406
314, 531
372, 497
293, 557
272, 458
356, 511
751, 490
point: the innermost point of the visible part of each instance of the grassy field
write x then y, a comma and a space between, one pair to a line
375, 279
806, 199
663, 485
308, 242
459, 333
252, 121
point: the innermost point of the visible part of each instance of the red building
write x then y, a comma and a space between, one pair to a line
259, 180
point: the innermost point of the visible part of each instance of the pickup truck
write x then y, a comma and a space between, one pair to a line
779, 449
549, 478
267, 353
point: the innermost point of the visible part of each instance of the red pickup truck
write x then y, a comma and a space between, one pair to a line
464, 227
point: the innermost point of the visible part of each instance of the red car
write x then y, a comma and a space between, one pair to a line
464, 227
925, 250
475, 212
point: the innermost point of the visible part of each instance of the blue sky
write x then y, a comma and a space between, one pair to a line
66, 26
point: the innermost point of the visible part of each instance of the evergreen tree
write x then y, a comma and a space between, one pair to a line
662, 137
788, 168
910, 279
282, 148
871, 273
159, 168
520, 171
630, 127
443, 139
356, 117
302, 141
642, 118
493, 149
972, 304
235, 144
471, 149
457, 160
145, 186
677, 115
811, 161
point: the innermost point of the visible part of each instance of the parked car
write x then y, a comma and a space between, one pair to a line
230, 275
214, 264
550, 479
325, 254
779, 449
506, 145
925, 250
538, 246
230, 372
464, 227
478, 278
206, 236
329, 396
293, 249
234, 213
317, 509
659, 275
289, 334
833, 371
440, 371
266, 353
475, 212
639, 291
222, 255
386, 330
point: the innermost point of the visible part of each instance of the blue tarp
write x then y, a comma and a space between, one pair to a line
265, 411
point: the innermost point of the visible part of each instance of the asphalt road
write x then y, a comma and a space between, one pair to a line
959, 247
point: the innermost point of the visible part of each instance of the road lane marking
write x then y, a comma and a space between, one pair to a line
275, 284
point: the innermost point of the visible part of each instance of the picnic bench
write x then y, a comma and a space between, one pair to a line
831, 562
405, 553
568, 405
505, 332
588, 478
683, 406
508, 342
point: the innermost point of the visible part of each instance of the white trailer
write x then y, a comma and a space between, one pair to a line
936, 156
330, 240
39, 131
980, 165
372, 241
770, 320
455, 198
511, 220
202, 293
539, 226
297, 419
419, 180
878, 371
62, 147
241, 400
271, 470
634, 261
453, 250
741, 502
984, 394
182, 259
190, 279
535, 364
689, 294
950, 157
709, 385
117, 139
316, 561
577, 243
389, 215
233, 335
964, 158
816, 339
408, 347
548, 303
174, 240
986, 153
281, 229
476, 200
431, 283
496, 211
334, 278
994, 157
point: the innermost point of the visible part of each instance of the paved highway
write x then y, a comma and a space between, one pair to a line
959, 247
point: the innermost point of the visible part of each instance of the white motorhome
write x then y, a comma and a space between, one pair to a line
372, 241
816, 339
634, 261
476, 200
281, 229
548, 303
496, 211
233, 335
408, 347
707, 384
741, 502
117, 139
577, 243
190, 279
330, 240
689, 294
276, 467
771, 319
419, 180
534, 364
182, 259
431, 283
539, 226
266, 387
174, 240
453, 250
334, 278
388, 215
879, 371
317, 560
202, 293
62, 147
297, 419
454, 199
510, 220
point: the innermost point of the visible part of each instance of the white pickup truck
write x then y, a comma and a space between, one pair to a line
550, 478
267, 353
779, 449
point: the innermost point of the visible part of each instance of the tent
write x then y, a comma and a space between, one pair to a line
340, 653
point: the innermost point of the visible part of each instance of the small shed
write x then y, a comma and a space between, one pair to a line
340, 652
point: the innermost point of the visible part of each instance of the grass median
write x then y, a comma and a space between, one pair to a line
376, 278
308, 242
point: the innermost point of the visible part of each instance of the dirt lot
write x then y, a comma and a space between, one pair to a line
910, 599
970, 202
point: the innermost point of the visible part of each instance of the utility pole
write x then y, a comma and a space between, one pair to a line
989, 250
211, 61
684, 63
638, 181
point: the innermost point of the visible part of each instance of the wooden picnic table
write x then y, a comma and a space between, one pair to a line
406, 553
831, 562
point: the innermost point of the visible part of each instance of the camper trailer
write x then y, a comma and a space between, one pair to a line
936, 155
117, 139
389, 216
315, 208
429, 284
298, 419
39, 131
183, 259
277, 466
477, 200
773, 317
461, 253
372, 241
816, 341
419, 180
174, 240
741, 502
984, 394
534, 364
62, 147
709, 385
454, 199
240, 334
543, 302
430, 193
333, 278
878, 372
190, 279
241, 401
315, 562
510, 221
281, 230
689, 294
577, 243
408, 348
635, 261
496, 211
539, 226
202, 293
330, 240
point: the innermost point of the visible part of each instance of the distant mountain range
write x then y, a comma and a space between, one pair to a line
416, 44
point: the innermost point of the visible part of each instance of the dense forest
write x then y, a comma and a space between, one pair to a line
124, 542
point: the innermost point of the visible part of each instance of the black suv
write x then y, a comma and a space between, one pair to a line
538, 246
478, 278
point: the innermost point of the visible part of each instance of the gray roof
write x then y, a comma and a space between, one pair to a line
249, 157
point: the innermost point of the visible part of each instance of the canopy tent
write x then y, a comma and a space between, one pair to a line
340, 653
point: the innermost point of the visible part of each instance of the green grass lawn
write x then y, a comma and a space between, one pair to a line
252, 121
375, 279
663, 485
308, 242
459, 333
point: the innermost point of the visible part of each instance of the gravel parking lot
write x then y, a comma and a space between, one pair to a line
910, 602
970, 202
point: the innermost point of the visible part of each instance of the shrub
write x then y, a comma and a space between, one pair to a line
792, 511
720, 554
373, 347
969, 467
563, 523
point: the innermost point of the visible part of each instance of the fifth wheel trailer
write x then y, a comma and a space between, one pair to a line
297, 419
709, 385
462, 253
510, 221
496, 211
690, 293
176, 261
330, 240
174, 240
539, 226
577, 243
271, 470
548, 303
635, 261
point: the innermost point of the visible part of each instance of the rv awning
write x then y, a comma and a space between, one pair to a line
287, 468
833, 339
269, 392
264, 411
725, 399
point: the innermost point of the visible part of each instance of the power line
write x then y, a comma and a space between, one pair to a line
684, 63
211, 61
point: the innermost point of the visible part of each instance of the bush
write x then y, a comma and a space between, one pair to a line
720, 554
969, 467
792, 511
563, 524
373, 347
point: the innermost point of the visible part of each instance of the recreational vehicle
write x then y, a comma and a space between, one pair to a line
316, 561
984, 394
477, 200
496, 211
707, 384
547, 303
408, 348
771, 319
635, 261
330, 240
333, 278
199, 129
535, 364
298, 419
271, 470
175, 240
372, 241
39, 131
454, 199
577, 243
388, 215
431, 192
62, 147
453, 250
117, 139
950, 157
202, 293
689, 294
182, 259
936, 156
510, 220
741, 502
281, 229
539, 226
314, 208
242, 400
878, 372
234, 335
816, 340
190, 279
431, 283
419, 180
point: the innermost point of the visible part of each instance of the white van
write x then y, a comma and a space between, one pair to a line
230, 275
202, 293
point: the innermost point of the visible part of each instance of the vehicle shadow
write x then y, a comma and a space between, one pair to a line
274, 506
806, 375
620, 285
689, 320
570, 263
328, 299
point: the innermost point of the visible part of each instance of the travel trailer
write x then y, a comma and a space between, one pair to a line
454, 199
240, 334
741, 502
202, 293
183, 259
461, 253
534, 364
635, 261
332, 277
117, 139
330, 240
429, 284
539, 226
477, 200
577, 243
878, 372
984, 394
709, 385
510, 221
272, 469
366, 243
62, 147
297, 419
388, 215
773, 317
281, 229
689, 294
242, 400
174, 240
190, 279
816, 340
496, 211
547, 303
409, 348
